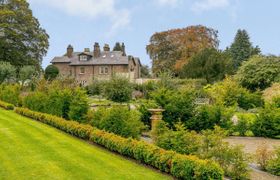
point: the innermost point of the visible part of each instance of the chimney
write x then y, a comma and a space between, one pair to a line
106, 47
96, 50
70, 50
87, 50
123, 50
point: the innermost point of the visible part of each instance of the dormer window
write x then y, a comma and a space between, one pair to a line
83, 58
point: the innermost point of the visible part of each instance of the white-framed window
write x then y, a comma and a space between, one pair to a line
82, 70
103, 70
83, 57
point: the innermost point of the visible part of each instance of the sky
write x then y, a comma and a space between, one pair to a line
81, 23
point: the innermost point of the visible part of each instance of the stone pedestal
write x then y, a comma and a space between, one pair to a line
156, 116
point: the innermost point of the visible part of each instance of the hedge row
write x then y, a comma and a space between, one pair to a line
7, 106
180, 166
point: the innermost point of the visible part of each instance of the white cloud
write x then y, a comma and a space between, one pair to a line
206, 5
172, 3
91, 9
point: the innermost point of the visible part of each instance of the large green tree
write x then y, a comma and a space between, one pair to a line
242, 49
170, 50
22, 40
259, 72
209, 64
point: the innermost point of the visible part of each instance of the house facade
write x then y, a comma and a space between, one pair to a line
89, 65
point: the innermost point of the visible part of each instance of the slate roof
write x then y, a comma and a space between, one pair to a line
105, 58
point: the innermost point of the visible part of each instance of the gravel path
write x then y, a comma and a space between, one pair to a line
251, 143
250, 146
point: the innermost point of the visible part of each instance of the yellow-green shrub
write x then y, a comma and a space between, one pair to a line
10, 94
273, 165
7, 106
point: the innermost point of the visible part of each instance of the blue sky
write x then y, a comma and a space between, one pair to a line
83, 22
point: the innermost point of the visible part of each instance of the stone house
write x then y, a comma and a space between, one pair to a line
89, 65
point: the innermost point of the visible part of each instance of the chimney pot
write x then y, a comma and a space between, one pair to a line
70, 50
106, 47
96, 50
123, 50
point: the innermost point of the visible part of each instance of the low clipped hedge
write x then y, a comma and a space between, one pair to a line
180, 166
6, 106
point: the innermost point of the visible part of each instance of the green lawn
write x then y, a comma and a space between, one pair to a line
31, 150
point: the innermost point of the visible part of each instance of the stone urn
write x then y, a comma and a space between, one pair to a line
156, 116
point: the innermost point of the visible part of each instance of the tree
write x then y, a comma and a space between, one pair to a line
22, 40
210, 64
242, 49
259, 72
145, 71
170, 50
51, 72
162, 52
117, 47
7, 71
26, 73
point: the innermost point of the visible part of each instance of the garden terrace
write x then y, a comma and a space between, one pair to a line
32, 150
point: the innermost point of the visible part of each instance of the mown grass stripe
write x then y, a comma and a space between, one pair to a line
31, 150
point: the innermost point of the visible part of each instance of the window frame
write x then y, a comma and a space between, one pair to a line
82, 70
83, 57
104, 70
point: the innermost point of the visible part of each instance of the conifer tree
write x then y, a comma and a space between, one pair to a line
242, 49
117, 47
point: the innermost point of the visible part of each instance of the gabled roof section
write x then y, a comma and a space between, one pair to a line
86, 53
105, 58
137, 59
